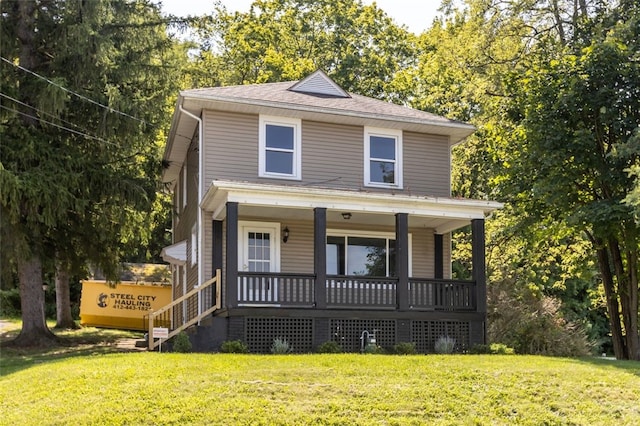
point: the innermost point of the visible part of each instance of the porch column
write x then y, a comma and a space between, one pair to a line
402, 260
232, 255
478, 267
216, 260
320, 256
438, 261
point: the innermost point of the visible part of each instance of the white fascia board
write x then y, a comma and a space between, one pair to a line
308, 198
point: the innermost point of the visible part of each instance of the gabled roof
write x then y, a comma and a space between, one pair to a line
316, 98
319, 83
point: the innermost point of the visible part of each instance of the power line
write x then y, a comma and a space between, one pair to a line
42, 112
58, 126
108, 108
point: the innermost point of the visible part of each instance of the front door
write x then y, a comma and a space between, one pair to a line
259, 252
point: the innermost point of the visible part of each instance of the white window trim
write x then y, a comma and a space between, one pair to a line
245, 226
388, 133
296, 123
373, 234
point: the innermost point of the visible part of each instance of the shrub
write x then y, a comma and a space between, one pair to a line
494, 348
234, 347
10, 303
181, 343
405, 348
372, 348
330, 347
280, 347
445, 345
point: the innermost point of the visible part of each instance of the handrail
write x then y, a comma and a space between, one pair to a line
155, 314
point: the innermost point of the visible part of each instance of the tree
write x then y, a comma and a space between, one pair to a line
358, 45
87, 84
580, 115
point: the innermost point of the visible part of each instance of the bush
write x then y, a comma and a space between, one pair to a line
280, 347
10, 303
181, 342
494, 348
405, 348
372, 348
234, 347
330, 347
445, 345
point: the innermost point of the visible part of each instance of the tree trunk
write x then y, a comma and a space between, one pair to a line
628, 291
619, 348
63, 299
34, 328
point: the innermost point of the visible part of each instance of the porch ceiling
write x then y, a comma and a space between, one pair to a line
371, 209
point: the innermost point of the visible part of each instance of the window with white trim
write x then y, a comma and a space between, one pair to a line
194, 245
280, 153
382, 157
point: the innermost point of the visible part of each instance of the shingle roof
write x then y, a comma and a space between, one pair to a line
279, 93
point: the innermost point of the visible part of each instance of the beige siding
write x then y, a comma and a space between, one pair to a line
332, 155
231, 147
426, 164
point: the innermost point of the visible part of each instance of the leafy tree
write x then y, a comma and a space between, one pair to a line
86, 85
358, 45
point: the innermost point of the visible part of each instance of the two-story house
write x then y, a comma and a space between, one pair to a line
329, 215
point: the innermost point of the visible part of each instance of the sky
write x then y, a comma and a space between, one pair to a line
417, 15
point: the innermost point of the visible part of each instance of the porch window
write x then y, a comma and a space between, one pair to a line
383, 157
280, 152
361, 255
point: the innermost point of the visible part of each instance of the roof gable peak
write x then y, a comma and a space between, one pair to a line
319, 83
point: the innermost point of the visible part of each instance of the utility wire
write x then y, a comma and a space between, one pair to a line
73, 93
44, 112
58, 126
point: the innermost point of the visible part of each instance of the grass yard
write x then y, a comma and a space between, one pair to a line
226, 389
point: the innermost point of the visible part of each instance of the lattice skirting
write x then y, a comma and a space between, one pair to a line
425, 334
260, 333
303, 333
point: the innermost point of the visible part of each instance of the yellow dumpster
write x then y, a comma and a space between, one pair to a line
124, 306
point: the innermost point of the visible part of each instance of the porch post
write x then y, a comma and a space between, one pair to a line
216, 260
320, 256
402, 260
438, 260
478, 267
232, 254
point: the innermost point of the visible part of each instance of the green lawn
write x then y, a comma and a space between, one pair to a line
153, 388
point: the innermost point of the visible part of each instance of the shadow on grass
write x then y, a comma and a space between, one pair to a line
86, 341
631, 367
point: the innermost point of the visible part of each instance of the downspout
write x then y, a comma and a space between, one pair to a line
200, 192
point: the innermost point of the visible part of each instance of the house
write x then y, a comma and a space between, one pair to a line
328, 214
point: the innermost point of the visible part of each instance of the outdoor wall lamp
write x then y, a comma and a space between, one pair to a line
346, 215
285, 234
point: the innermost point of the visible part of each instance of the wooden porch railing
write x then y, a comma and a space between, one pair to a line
365, 292
164, 317
442, 295
275, 289
267, 289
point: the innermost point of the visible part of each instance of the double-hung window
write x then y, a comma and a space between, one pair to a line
382, 157
280, 148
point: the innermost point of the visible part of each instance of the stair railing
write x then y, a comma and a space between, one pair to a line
158, 317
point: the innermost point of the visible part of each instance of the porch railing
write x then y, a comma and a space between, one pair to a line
261, 288
442, 295
165, 316
297, 290
369, 292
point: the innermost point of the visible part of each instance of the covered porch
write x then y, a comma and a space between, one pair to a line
306, 268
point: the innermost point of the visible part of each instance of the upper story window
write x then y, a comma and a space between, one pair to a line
280, 147
382, 157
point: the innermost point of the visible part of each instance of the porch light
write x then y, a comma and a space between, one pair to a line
346, 215
285, 234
